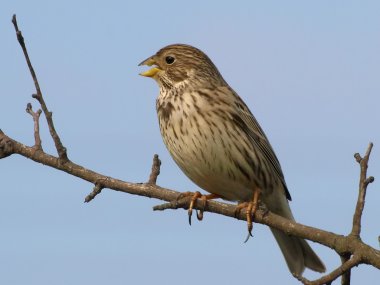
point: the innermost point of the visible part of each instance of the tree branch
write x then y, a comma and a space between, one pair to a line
341, 244
155, 170
346, 276
363, 183
36, 117
329, 278
61, 150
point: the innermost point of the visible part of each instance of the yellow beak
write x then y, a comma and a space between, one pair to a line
151, 72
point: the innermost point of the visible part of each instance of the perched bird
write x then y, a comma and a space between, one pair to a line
217, 142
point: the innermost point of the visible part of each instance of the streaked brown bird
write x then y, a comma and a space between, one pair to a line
217, 142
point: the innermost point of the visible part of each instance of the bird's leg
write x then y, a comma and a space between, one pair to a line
194, 196
251, 208
251, 211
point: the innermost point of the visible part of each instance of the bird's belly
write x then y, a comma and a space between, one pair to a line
207, 156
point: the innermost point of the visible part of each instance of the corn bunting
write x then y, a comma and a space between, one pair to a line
217, 142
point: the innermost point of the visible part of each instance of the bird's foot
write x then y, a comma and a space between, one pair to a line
194, 197
251, 208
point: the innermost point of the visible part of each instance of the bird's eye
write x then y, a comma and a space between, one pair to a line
169, 59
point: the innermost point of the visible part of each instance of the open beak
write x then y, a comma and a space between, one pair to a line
151, 72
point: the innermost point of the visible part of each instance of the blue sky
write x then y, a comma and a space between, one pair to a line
309, 70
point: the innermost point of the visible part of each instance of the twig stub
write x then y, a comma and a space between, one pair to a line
358, 157
96, 190
363, 183
369, 180
156, 165
36, 117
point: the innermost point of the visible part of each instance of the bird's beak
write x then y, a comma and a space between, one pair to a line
151, 72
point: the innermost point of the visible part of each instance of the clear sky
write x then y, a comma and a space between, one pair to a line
309, 71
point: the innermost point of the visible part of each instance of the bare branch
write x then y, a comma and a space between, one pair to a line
61, 150
363, 183
155, 170
329, 278
97, 189
36, 117
341, 244
346, 276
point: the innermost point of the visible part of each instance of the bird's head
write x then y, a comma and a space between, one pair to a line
179, 63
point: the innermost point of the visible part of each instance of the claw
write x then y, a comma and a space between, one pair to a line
204, 199
194, 196
200, 214
190, 213
248, 236
250, 212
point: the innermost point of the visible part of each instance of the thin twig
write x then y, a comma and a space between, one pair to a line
97, 189
36, 117
329, 278
363, 183
346, 276
155, 170
61, 150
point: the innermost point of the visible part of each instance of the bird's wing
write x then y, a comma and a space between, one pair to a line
248, 123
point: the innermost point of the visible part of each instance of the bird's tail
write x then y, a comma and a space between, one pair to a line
298, 253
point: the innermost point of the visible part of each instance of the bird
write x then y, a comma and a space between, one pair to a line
217, 142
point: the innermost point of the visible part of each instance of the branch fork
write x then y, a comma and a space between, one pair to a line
61, 150
364, 181
36, 117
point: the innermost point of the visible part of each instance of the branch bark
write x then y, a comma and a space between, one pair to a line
351, 248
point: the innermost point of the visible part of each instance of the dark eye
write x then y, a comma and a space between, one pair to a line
169, 59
